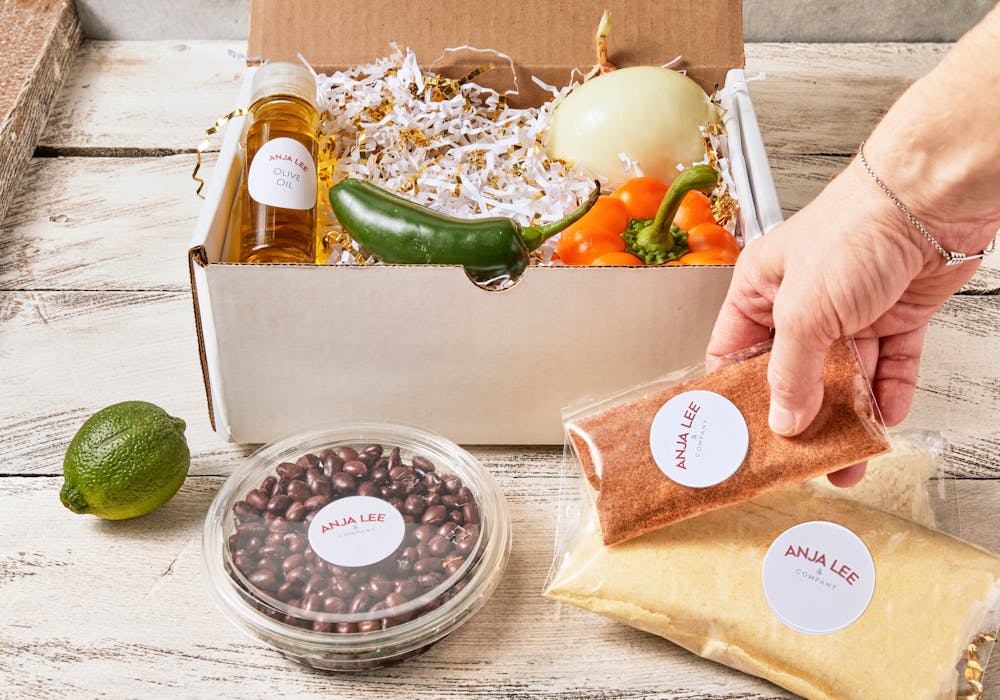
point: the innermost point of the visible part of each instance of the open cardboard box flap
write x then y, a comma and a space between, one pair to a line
545, 38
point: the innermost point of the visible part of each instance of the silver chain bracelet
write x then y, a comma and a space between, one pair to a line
951, 257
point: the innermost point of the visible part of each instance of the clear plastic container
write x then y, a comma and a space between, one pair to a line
313, 615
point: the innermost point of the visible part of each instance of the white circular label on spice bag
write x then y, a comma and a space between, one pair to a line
356, 531
283, 174
699, 438
818, 577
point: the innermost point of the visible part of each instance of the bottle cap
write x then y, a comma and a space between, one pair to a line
283, 79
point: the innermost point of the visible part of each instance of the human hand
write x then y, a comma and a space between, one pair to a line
848, 264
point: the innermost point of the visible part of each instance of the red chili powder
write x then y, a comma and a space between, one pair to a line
635, 496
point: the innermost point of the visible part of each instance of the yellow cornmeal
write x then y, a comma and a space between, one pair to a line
896, 482
698, 584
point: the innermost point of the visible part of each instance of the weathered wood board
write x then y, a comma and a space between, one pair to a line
38, 41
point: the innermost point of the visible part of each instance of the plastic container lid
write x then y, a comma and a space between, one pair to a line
283, 79
356, 547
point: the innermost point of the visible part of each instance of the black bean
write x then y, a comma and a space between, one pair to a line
438, 546
379, 474
264, 579
244, 511
381, 587
369, 625
465, 495
345, 628
431, 580
289, 470
423, 464
326, 627
294, 542
292, 561
357, 578
449, 500
465, 541
435, 515
298, 491
422, 533
357, 469
257, 499
392, 488
452, 564
309, 461
297, 575
395, 599
367, 488
331, 462
452, 483
431, 480
414, 504
407, 587
427, 565
470, 513
272, 552
346, 453
361, 602
343, 483
402, 473
279, 525
315, 584
245, 563
278, 504
287, 591
268, 484
315, 503
343, 588
394, 458
312, 603
374, 449
333, 604
296, 512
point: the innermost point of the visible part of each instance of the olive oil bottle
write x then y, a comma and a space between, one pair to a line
278, 195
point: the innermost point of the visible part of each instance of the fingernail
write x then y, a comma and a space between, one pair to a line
781, 419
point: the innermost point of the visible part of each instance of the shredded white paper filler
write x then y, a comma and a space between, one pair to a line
458, 148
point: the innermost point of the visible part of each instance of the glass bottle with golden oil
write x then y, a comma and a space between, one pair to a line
278, 218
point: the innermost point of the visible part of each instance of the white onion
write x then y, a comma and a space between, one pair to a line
650, 114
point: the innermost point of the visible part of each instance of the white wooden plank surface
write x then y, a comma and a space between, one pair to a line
150, 630
131, 96
94, 308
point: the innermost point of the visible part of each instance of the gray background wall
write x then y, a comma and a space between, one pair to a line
764, 20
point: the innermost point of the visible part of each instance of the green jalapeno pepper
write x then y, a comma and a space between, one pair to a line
396, 230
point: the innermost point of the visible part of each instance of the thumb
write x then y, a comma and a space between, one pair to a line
794, 373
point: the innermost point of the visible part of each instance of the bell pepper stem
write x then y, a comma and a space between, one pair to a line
654, 241
534, 236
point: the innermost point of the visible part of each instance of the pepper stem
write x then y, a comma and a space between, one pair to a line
534, 236
654, 242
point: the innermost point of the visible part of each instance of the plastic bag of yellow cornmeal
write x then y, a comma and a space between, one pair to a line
829, 597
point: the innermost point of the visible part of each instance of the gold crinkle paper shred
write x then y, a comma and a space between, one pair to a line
443, 142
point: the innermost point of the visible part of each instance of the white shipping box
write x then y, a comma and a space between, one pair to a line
287, 347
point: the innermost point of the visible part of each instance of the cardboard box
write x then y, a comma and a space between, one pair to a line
285, 347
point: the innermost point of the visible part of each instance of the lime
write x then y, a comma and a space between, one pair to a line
128, 459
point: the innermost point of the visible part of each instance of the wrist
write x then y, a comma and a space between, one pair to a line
936, 185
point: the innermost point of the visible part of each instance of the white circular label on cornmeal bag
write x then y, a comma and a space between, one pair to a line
818, 577
356, 531
283, 174
699, 438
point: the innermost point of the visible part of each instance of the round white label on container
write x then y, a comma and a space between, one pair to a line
282, 174
356, 531
699, 438
818, 577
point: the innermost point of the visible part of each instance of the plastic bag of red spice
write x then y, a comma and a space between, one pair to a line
697, 441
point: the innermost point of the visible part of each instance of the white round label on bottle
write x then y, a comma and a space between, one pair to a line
356, 531
818, 577
282, 174
699, 438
